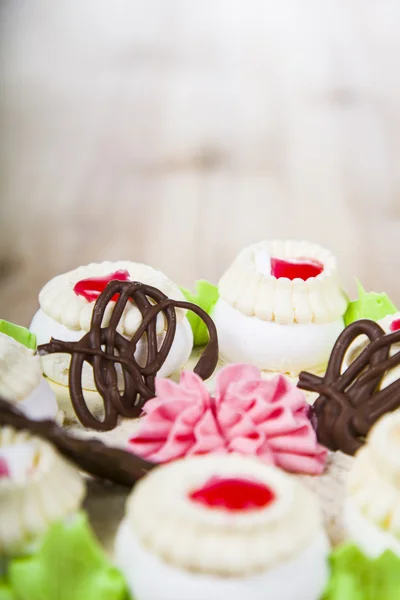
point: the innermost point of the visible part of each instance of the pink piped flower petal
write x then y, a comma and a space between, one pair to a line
207, 435
311, 464
249, 415
232, 374
4, 470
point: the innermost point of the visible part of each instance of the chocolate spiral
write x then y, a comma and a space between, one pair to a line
104, 348
350, 402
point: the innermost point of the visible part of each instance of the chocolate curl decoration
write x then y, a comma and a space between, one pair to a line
92, 456
350, 402
104, 348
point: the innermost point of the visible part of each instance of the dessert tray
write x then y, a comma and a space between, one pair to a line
162, 444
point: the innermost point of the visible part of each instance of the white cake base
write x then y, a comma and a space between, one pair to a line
271, 346
149, 578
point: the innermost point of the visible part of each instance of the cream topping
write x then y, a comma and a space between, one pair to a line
41, 488
59, 301
184, 533
319, 299
374, 481
20, 369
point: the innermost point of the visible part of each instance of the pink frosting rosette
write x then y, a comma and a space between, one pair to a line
248, 415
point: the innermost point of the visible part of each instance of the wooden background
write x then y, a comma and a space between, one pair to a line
175, 132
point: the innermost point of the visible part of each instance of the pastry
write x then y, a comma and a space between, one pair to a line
372, 507
21, 379
37, 488
360, 385
46, 545
123, 380
280, 307
66, 308
220, 527
246, 415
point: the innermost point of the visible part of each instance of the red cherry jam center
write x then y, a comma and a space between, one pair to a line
4, 471
91, 288
395, 325
233, 494
296, 268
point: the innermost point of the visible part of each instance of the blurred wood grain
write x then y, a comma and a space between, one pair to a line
176, 132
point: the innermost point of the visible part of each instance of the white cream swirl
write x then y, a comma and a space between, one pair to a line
374, 481
319, 299
41, 488
59, 301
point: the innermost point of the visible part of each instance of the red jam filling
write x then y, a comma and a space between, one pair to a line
233, 494
4, 471
296, 268
91, 288
395, 325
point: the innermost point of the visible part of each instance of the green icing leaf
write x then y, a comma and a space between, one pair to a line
20, 334
206, 296
6, 592
369, 305
356, 577
70, 565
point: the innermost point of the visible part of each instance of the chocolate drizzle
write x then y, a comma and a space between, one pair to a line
104, 348
91, 456
350, 402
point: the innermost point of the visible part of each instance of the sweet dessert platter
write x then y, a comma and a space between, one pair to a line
255, 426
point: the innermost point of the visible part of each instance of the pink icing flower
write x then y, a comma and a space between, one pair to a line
4, 471
248, 415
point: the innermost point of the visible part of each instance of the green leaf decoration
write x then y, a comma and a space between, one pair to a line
205, 296
369, 305
356, 577
20, 334
70, 565
6, 592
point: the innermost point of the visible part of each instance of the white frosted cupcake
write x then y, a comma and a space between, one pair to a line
66, 306
22, 381
220, 527
372, 508
37, 487
281, 307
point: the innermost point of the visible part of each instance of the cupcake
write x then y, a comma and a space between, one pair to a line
21, 378
66, 307
222, 527
372, 508
281, 307
37, 488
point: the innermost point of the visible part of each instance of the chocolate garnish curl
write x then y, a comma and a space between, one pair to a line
104, 348
92, 456
350, 402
